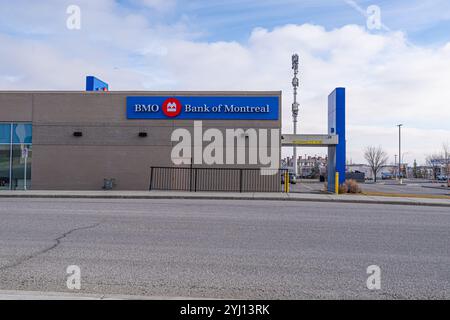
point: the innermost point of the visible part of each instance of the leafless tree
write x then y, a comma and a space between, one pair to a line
377, 158
446, 153
433, 161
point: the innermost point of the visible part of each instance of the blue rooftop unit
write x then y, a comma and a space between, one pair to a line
95, 84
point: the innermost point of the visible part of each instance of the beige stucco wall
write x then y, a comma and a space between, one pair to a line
110, 146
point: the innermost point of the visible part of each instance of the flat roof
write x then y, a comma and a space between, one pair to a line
148, 92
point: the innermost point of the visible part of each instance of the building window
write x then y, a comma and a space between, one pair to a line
15, 156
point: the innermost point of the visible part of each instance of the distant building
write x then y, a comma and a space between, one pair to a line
308, 166
426, 172
367, 170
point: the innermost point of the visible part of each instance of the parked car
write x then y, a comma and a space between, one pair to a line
442, 178
292, 178
386, 176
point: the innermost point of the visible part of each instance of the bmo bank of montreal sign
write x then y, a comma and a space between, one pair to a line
204, 108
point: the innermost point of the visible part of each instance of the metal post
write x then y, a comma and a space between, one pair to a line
10, 156
447, 165
190, 176
240, 180
400, 152
295, 105
336, 183
195, 181
447, 171
151, 178
395, 167
286, 181
25, 172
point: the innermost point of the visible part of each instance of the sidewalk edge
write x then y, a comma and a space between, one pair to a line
225, 197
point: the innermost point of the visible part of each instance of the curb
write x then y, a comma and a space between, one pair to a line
437, 187
51, 295
200, 197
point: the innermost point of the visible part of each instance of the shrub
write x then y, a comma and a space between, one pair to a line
352, 186
343, 188
349, 186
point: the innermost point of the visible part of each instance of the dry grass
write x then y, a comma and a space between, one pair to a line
404, 195
343, 188
350, 186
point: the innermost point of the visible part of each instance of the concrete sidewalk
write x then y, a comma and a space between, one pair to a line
44, 295
346, 198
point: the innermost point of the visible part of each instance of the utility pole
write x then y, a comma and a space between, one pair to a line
400, 152
295, 105
447, 162
395, 164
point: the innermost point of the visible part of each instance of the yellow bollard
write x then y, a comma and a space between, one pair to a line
336, 183
286, 182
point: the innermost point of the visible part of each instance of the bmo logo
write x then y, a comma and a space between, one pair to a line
171, 107
146, 108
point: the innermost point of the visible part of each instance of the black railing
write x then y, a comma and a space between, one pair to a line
217, 179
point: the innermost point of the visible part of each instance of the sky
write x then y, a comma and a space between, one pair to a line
398, 73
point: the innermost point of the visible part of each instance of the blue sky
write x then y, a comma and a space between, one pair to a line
425, 22
396, 75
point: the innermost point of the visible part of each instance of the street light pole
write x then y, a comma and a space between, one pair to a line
395, 165
295, 105
400, 152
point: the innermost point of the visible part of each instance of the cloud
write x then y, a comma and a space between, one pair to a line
388, 81
161, 5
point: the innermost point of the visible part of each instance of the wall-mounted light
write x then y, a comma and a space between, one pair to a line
78, 134
142, 134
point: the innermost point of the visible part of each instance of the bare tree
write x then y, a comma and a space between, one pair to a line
446, 149
433, 161
376, 157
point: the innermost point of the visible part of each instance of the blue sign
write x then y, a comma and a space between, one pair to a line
95, 84
204, 108
336, 125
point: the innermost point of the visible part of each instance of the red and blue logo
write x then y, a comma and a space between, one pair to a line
171, 107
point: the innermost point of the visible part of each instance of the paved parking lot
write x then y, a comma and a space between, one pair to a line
410, 187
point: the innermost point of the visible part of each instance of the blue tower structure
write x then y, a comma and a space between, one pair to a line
336, 125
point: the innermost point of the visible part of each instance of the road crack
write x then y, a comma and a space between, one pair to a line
57, 241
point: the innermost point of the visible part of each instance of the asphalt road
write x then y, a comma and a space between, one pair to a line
225, 249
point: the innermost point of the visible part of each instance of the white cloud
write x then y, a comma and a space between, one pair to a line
387, 81
158, 4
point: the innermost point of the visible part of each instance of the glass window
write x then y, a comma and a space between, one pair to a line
15, 156
5, 133
22, 133
21, 167
4, 166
